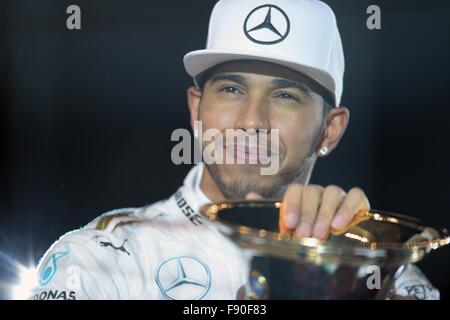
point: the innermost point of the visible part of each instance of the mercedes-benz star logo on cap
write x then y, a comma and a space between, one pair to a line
267, 24
183, 278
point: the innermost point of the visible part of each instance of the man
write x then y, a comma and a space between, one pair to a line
268, 65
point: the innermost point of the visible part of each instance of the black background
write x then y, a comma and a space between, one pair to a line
86, 116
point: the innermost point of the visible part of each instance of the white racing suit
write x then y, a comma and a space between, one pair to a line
166, 250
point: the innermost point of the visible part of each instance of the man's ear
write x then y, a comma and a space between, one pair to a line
337, 122
194, 95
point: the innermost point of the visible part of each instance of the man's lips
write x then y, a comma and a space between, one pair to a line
252, 154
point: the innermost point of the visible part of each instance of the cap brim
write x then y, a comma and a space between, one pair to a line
198, 61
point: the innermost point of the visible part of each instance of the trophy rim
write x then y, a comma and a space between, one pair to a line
276, 244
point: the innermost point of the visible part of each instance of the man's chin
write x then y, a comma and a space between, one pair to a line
237, 180
240, 171
241, 168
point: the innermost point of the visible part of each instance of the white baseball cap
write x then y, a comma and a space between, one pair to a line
299, 34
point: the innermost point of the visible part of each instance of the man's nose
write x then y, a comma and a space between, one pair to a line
253, 114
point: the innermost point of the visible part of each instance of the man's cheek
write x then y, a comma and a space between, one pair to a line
216, 121
294, 151
218, 112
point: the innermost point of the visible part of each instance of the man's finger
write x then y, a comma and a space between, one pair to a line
311, 197
332, 198
292, 200
355, 201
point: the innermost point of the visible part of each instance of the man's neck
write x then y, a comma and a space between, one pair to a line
209, 187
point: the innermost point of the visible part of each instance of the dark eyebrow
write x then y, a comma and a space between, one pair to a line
285, 83
228, 77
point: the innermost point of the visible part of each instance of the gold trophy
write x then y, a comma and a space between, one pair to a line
284, 267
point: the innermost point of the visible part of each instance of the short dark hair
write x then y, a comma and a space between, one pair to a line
326, 107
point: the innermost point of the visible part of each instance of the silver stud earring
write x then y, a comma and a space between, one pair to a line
323, 151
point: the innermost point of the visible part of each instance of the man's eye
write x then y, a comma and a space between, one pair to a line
287, 96
229, 89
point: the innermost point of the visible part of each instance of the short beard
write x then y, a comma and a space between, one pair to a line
300, 173
240, 188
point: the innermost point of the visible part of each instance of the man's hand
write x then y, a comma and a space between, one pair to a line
315, 211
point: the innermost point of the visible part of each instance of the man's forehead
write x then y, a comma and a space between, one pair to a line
270, 70
258, 68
